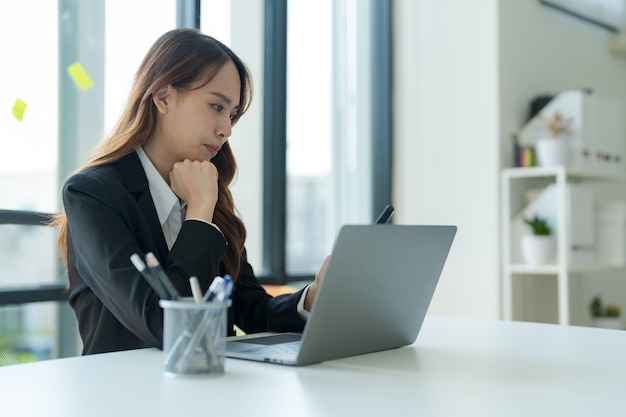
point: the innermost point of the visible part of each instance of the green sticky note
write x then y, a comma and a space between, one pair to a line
18, 109
80, 76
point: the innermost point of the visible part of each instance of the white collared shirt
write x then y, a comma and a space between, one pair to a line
168, 206
171, 210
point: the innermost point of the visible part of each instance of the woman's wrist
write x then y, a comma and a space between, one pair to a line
200, 211
310, 296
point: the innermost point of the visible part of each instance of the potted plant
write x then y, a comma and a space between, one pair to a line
553, 147
558, 126
608, 317
538, 248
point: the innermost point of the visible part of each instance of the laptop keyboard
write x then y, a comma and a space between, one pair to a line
282, 350
275, 339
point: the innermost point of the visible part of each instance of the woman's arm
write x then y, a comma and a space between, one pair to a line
256, 311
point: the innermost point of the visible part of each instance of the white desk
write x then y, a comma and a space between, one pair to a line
457, 367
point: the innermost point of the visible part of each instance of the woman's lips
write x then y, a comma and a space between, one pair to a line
213, 149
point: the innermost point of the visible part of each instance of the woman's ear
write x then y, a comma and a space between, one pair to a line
161, 99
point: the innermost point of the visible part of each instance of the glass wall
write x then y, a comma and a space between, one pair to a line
328, 111
28, 170
329, 162
309, 134
28, 104
124, 48
68, 67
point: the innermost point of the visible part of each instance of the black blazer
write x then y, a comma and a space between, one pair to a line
110, 216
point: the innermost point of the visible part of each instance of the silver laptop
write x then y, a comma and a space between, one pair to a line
378, 285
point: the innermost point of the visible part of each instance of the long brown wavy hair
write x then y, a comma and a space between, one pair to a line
180, 58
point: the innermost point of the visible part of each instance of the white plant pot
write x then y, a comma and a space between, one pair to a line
538, 250
608, 322
552, 151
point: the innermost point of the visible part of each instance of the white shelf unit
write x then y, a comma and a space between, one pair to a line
513, 183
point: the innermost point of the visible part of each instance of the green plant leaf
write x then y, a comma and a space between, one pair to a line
539, 226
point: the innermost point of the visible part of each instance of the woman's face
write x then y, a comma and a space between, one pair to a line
195, 124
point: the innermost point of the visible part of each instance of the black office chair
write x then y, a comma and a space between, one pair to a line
36, 322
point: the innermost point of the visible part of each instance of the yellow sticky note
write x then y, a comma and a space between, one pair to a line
80, 76
18, 109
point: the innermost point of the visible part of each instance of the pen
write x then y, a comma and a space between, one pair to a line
228, 288
214, 289
195, 289
153, 281
385, 215
156, 269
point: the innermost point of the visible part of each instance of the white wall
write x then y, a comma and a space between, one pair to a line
543, 51
465, 74
446, 159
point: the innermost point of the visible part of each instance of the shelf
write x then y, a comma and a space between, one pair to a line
539, 172
534, 270
553, 269
517, 181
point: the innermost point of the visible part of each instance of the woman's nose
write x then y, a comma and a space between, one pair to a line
225, 129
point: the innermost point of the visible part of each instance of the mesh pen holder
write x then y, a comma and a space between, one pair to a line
194, 337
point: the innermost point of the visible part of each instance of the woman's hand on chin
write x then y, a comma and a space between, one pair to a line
195, 182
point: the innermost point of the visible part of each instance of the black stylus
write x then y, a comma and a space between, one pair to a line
385, 215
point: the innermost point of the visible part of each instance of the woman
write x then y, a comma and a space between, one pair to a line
160, 183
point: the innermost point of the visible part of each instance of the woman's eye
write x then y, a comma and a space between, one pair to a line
219, 108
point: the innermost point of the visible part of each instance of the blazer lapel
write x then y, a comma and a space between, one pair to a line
137, 183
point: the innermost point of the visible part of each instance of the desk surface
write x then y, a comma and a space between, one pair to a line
457, 367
